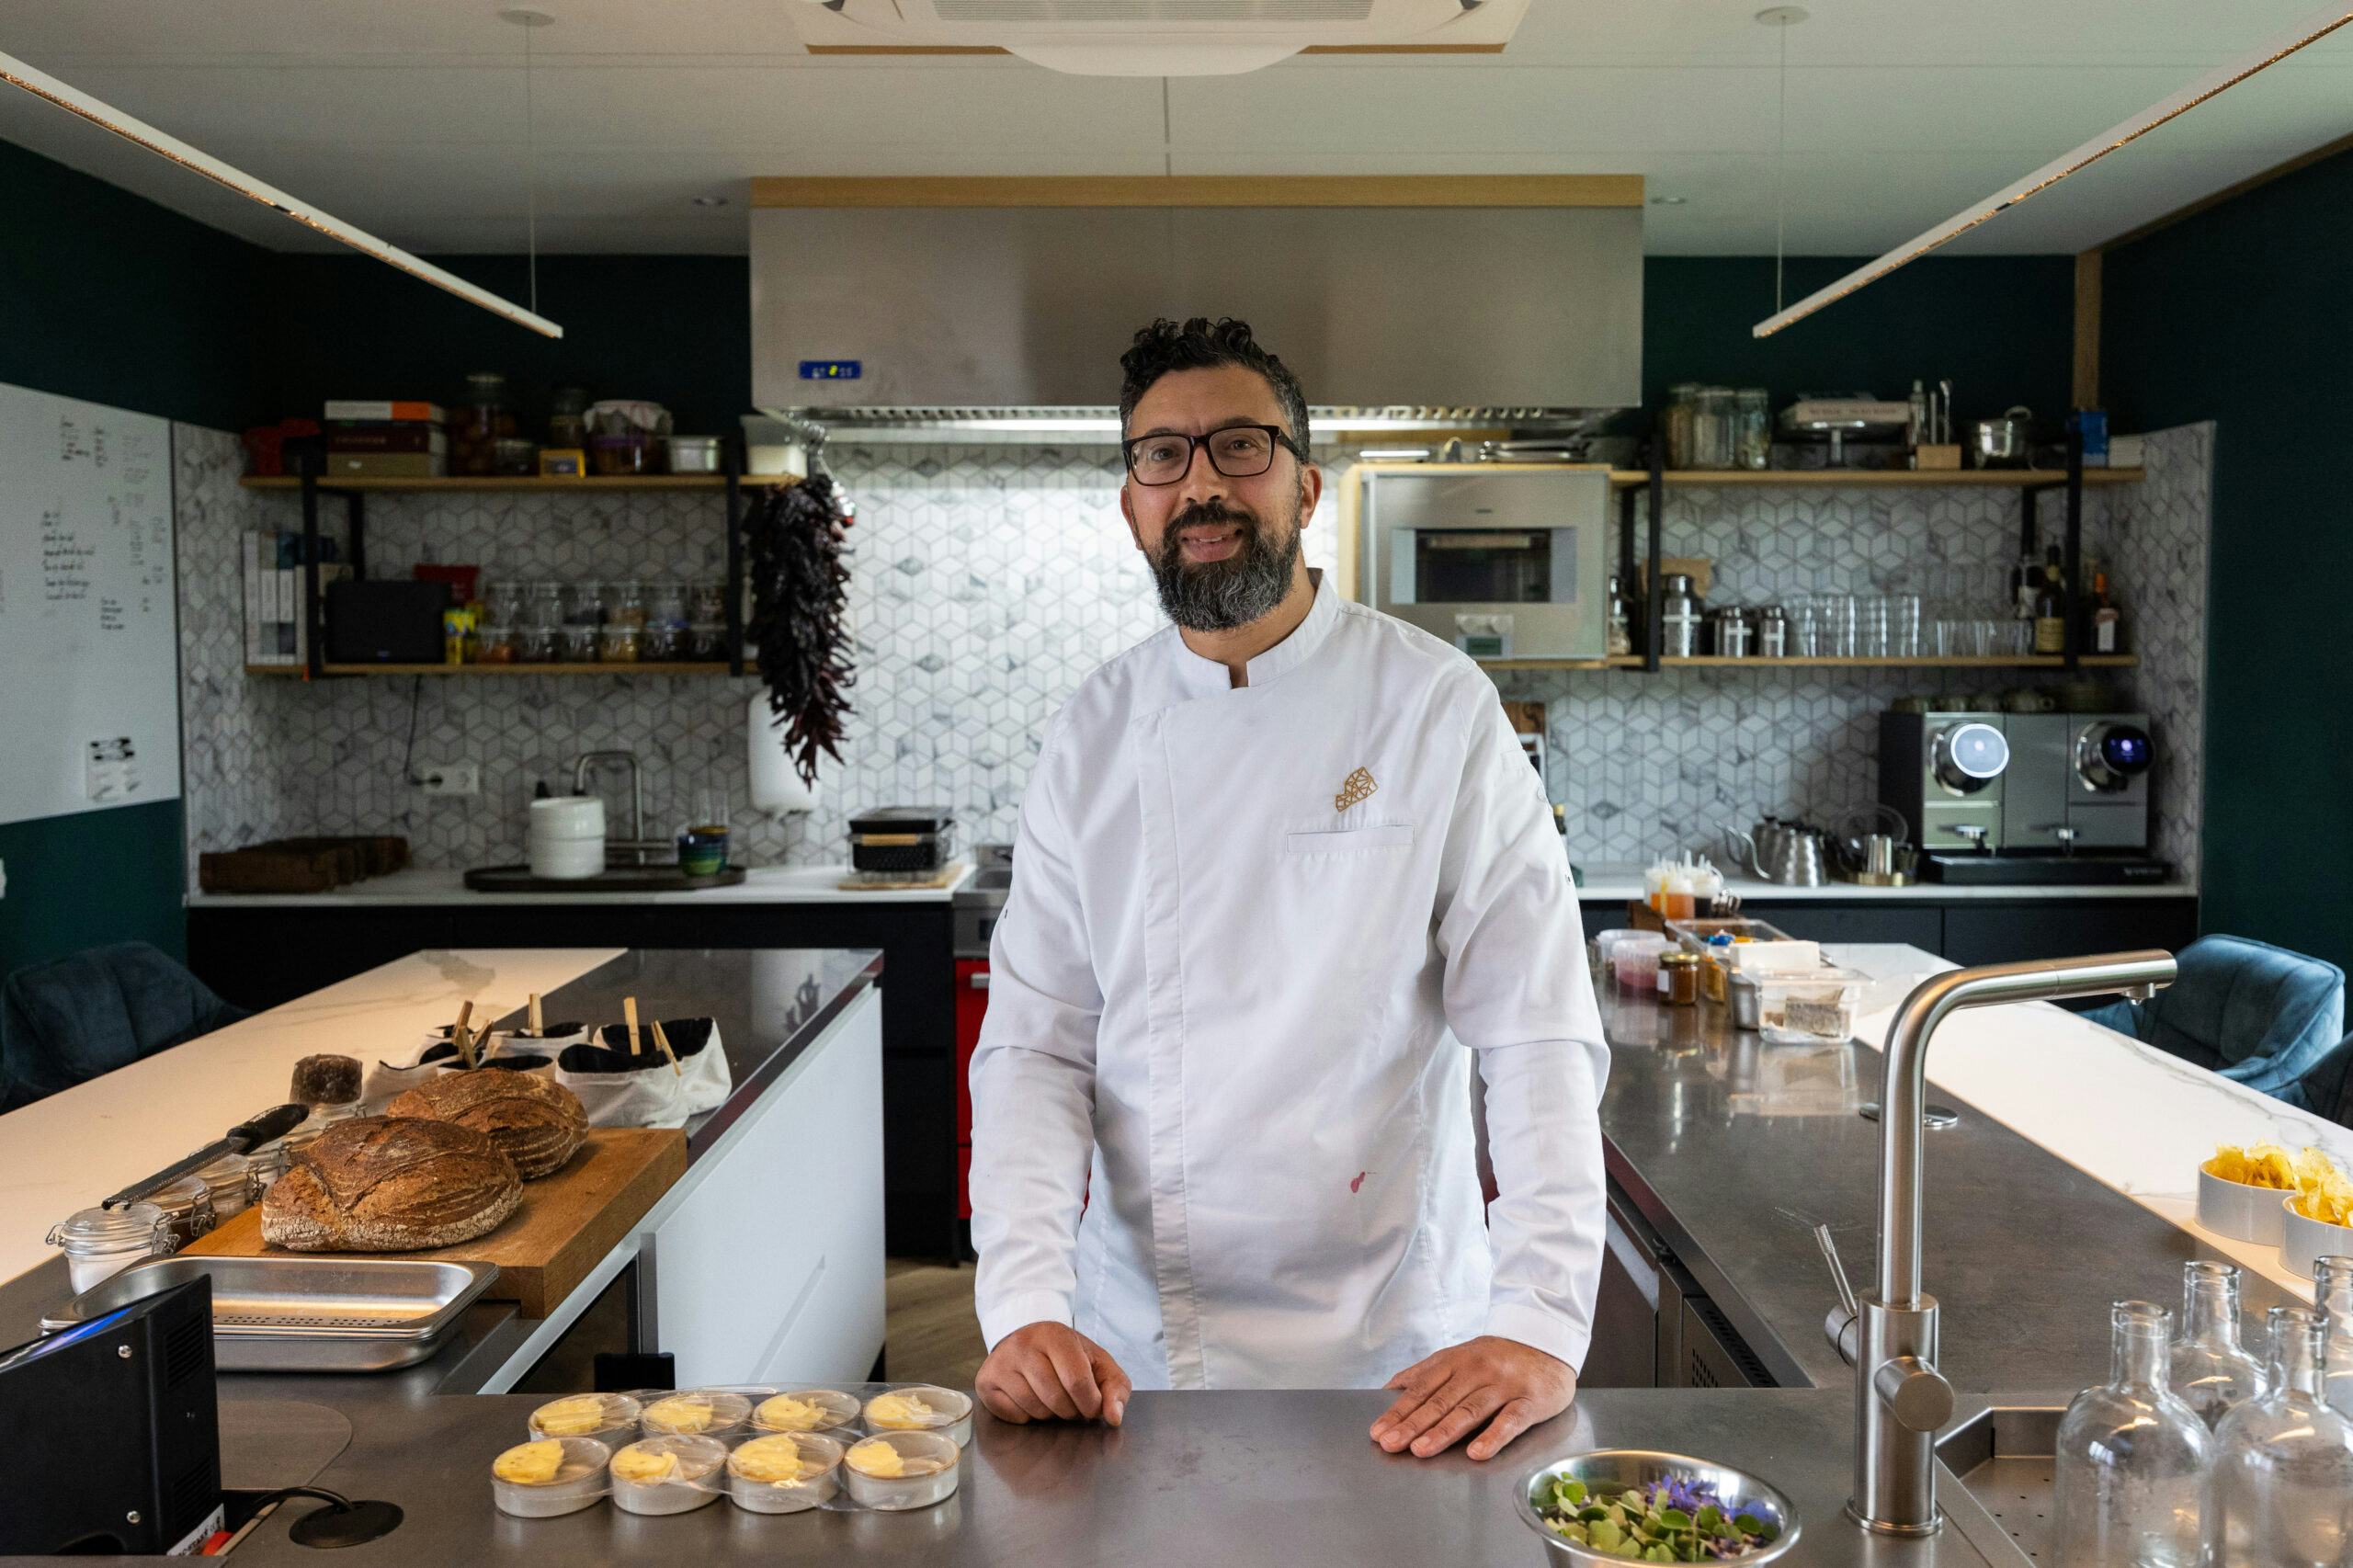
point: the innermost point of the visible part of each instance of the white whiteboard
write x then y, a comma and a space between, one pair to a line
89, 637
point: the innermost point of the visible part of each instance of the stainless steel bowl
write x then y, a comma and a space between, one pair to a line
1612, 1470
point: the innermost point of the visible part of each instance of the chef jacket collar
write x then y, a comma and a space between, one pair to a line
1203, 676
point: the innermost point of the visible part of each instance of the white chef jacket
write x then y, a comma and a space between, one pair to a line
1226, 996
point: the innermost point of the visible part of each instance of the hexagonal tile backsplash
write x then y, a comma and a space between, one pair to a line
987, 582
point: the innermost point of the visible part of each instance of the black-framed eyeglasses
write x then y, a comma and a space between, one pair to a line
1238, 451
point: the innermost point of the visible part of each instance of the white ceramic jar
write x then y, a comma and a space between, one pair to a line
567, 837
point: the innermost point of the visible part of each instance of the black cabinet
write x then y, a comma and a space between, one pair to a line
260, 956
1920, 925
2005, 931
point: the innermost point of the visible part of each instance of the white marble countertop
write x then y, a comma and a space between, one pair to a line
2129, 1115
1616, 879
71, 1149
426, 885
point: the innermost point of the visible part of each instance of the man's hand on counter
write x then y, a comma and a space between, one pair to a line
1508, 1385
1047, 1371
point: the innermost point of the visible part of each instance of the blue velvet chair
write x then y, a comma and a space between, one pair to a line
66, 1022
2258, 1014
2328, 1089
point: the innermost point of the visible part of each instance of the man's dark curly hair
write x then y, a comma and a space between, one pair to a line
1202, 344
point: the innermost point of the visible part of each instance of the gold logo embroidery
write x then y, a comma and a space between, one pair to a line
1357, 786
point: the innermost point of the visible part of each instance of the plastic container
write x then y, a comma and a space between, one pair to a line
690, 1481
710, 1413
921, 1407
823, 1410
2243, 1213
694, 454
818, 1479
1634, 960
1814, 1006
932, 1461
610, 1418
102, 1242
578, 1481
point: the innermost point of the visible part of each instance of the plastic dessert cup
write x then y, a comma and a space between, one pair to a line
951, 1413
578, 1483
691, 1482
934, 1459
812, 1489
610, 1418
835, 1412
695, 1412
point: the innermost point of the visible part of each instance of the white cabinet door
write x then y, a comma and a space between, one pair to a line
767, 1266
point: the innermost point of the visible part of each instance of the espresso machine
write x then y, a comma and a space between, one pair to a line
2022, 799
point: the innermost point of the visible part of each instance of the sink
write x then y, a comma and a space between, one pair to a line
1996, 1482
612, 879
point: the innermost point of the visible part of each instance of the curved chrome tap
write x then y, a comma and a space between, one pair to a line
1901, 1399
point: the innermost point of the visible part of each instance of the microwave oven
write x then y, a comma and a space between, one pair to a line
1506, 562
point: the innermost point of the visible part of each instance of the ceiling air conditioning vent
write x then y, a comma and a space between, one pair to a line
1156, 38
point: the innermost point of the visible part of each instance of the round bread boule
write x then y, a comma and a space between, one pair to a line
537, 1122
390, 1184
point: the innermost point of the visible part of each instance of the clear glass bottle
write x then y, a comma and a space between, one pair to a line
2132, 1459
2283, 1464
2333, 1295
2210, 1369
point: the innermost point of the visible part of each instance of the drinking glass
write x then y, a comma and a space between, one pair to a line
1871, 630
1838, 625
1808, 631
1904, 626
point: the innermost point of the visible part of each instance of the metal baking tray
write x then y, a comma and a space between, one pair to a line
304, 1314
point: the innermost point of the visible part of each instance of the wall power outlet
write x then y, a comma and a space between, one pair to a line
450, 777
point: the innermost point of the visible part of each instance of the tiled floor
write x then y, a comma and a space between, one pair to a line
934, 1336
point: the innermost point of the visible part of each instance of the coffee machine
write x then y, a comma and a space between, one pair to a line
1996, 797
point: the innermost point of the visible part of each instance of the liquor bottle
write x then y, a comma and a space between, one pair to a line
2105, 624
2209, 1369
2051, 609
2131, 1460
2283, 1464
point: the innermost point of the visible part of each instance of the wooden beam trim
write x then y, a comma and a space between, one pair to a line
1202, 191
2088, 303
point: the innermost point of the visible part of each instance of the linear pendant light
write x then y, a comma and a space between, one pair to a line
139, 133
2274, 50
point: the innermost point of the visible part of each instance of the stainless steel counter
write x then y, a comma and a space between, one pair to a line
1215, 1479
1735, 1150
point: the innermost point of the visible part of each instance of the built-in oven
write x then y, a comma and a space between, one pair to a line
1505, 562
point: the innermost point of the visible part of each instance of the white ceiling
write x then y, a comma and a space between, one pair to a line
408, 119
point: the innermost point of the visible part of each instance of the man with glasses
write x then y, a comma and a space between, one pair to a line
1275, 867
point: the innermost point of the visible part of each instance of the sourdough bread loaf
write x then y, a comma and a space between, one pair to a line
390, 1184
536, 1121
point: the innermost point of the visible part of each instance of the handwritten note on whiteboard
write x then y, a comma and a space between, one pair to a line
90, 631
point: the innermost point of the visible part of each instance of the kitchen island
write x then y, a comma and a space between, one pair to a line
2063, 1187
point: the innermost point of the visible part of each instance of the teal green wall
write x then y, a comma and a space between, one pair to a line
109, 297
1999, 328
2241, 315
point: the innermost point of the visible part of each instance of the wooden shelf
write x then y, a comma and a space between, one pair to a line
619, 667
1709, 661
1871, 478
585, 484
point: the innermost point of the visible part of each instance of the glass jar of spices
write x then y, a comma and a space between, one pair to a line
706, 642
578, 645
535, 645
618, 644
1676, 422
187, 1206
568, 418
583, 604
706, 604
229, 1183
1678, 979
543, 605
625, 605
1753, 428
482, 420
1713, 415
666, 607
503, 603
101, 1243
495, 645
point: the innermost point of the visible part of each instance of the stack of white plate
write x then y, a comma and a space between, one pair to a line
567, 838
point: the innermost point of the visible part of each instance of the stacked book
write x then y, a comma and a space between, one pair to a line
372, 439
277, 633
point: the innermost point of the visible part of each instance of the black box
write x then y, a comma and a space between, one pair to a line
385, 620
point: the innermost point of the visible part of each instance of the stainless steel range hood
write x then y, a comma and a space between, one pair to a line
1006, 322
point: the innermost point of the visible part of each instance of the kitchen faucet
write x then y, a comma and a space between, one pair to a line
1901, 1399
587, 762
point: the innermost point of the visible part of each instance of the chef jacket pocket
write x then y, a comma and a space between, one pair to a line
1388, 837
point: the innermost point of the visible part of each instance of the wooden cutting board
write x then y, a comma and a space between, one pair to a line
567, 1222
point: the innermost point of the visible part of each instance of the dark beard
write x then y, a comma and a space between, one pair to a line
1217, 595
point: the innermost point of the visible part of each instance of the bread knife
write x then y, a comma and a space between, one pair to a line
270, 1125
